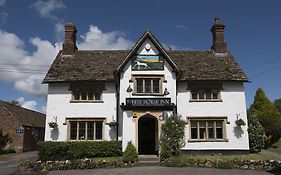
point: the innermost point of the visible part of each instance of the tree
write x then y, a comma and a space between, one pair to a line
277, 104
14, 102
256, 133
267, 115
130, 155
172, 138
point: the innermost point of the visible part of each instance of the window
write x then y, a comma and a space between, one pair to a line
148, 85
86, 129
86, 92
207, 129
205, 94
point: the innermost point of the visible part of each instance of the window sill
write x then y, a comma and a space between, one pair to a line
202, 100
138, 94
85, 140
221, 140
86, 101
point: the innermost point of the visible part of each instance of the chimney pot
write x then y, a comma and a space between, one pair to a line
219, 45
69, 45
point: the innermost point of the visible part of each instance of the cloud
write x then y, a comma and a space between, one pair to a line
32, 104
2, 2
46, 8
26, 69
97, 40
181, 27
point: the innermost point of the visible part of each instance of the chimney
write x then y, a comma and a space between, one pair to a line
69, 45
219, 45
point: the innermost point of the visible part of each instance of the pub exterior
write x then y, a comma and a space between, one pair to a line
128, 94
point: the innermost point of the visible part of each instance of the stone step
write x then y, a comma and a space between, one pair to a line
149, 158
148, 163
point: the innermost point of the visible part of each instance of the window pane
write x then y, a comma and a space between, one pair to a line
147, 86
156, 86
84, 95
90, 130
211, 130
90, 95
219, 129
215, 94
208, 94
82, 129
97, 95
202, 130
76, 95
139, 86
194, 94
73, 130
201, 94
194, 130
99, 130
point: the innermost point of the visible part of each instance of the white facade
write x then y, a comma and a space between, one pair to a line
231, 106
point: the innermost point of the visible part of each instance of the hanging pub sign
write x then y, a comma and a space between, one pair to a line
148, 101
147, 62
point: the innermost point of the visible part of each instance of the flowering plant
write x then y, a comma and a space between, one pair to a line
53, 124
240, 122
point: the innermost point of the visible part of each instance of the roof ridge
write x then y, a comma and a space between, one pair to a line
20, 107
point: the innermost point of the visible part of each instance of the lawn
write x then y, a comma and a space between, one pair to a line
276, 148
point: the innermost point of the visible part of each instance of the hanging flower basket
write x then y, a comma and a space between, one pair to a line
240, 122
53, 124
112, 124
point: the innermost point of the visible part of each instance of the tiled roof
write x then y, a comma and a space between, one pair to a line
102, 65
24, 116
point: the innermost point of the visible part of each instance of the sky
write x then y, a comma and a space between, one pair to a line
32, 32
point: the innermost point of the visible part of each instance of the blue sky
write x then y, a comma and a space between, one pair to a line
31, 33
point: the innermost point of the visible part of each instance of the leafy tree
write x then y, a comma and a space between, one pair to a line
267, 115
172, 139
14, 102
130, 155
257, 137
277, 104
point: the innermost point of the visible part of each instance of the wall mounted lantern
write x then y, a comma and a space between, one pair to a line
129, 89
166, 92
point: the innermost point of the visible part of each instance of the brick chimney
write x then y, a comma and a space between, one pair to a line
69, 45
219, 45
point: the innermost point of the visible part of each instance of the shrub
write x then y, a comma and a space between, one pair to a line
130, 155
256, 133
267, 115
4, 139
78, 150
172, 138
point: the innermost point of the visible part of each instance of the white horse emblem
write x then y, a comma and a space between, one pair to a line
140, 65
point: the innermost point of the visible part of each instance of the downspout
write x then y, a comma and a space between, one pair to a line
117, 82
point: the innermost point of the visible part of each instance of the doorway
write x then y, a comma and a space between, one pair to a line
147, 135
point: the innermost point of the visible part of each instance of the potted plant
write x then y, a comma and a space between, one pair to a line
240, 122
53, 124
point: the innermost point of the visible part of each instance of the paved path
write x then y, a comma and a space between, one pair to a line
157, 170
10, 162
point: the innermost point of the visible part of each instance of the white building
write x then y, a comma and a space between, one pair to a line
128, 94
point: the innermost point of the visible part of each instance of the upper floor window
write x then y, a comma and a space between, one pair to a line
147, 85
86, 92
205, 91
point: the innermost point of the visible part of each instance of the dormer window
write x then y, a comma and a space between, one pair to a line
148, 85
86, 92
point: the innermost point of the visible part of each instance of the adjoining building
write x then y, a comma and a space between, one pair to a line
24, 127
127, 94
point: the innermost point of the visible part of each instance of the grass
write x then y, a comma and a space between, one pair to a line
276, 148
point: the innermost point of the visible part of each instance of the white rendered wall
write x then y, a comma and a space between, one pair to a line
58, 104
233, 104
128, 125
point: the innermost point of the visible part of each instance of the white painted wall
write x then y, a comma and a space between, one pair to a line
58, 104
233, 103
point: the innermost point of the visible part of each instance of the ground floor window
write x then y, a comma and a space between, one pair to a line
86, 129
208, 129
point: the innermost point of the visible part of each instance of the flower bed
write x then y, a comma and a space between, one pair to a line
181, 161
107, 162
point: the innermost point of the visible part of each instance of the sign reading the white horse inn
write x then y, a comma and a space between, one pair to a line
147, 62
148, 101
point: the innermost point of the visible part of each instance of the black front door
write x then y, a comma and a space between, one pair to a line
147, 135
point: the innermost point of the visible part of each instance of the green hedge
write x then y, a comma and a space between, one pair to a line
78, 150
